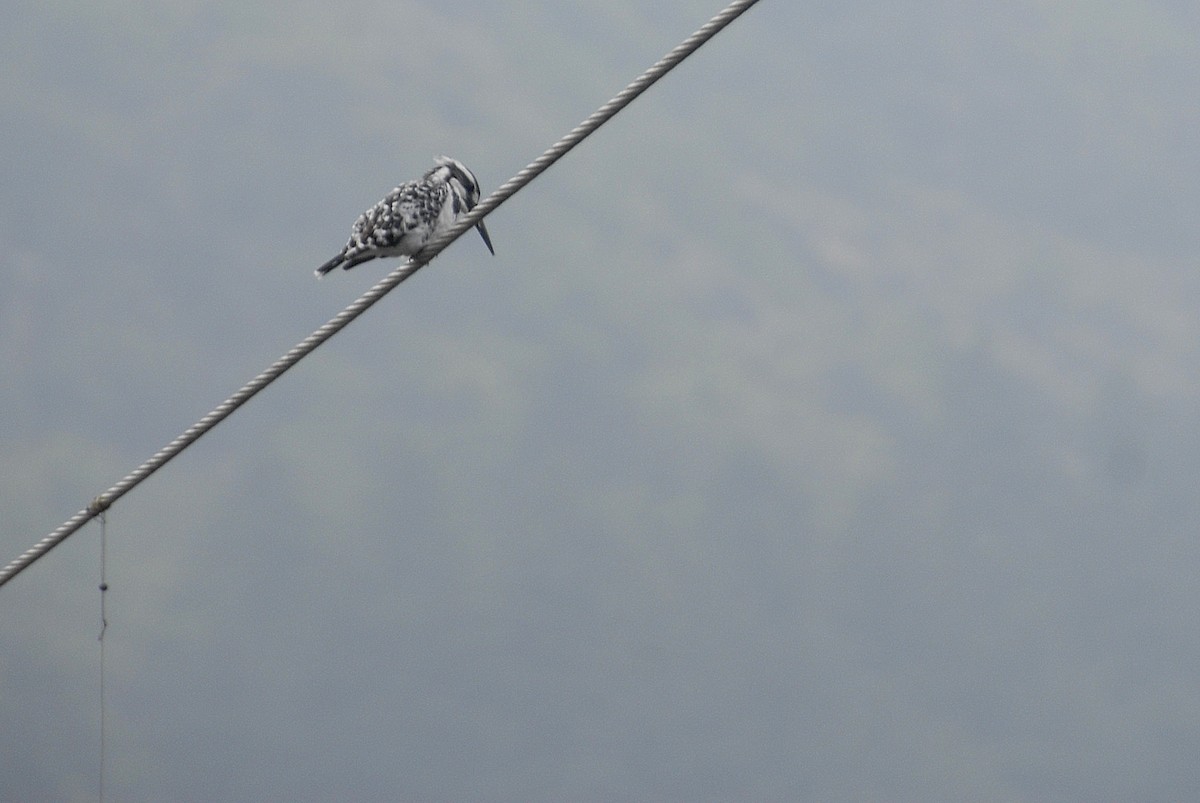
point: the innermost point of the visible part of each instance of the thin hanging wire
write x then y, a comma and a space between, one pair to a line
103, 575
386, 285
103, 628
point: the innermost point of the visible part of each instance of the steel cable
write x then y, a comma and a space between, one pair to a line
389, 282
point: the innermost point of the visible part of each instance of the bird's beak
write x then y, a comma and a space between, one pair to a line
486, 240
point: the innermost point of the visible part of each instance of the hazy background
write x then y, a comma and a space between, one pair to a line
825, 427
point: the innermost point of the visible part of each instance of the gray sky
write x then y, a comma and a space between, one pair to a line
825, 427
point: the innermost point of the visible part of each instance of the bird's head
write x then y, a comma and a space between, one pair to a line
464, 187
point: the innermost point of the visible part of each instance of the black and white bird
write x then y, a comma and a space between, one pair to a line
410, 215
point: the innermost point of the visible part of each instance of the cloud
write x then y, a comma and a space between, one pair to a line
821, 428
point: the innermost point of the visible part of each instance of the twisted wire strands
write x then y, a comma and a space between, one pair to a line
386, 285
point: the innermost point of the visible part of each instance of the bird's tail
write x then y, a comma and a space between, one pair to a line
330, 265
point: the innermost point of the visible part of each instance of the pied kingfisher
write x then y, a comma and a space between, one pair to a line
412, 214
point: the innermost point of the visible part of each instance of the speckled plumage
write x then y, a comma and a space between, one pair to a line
410, 215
